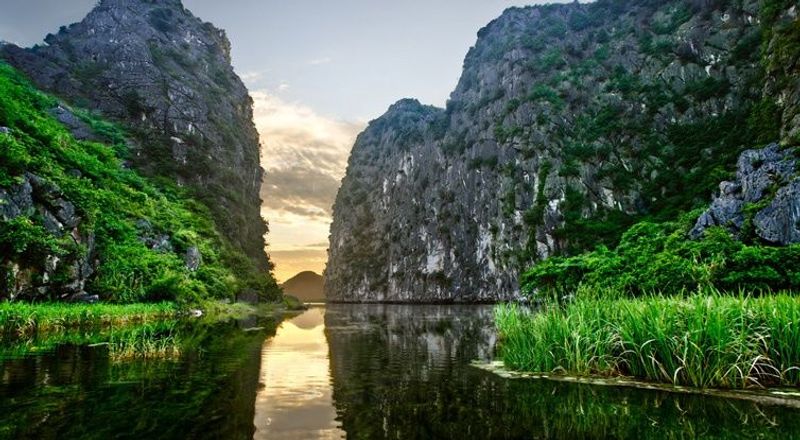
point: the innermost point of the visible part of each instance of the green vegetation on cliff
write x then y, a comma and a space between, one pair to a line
652, 252
118, 215
658, 257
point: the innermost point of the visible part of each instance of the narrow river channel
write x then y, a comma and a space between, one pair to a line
341, 371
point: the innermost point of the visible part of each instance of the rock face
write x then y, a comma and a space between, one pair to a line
569, 123
166, 75
765, 196
38, 197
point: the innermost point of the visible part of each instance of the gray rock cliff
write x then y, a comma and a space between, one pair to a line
36, 196
166, 75
569, 123
764, 197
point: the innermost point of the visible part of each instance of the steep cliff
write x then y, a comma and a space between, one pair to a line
165, 75
86, 212
570, 123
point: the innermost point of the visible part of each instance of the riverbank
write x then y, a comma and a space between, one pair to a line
20, 319
26, 318
704, 339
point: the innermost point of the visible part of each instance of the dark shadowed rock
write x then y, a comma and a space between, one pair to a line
16, 200
79, 129
767, 180
193, 258
84, 298
54, 274
779, 223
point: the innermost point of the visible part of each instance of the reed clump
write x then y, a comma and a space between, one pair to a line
703, 339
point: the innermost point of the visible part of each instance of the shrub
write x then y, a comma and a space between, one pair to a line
658, 257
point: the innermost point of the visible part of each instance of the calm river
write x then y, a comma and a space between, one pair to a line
341, 371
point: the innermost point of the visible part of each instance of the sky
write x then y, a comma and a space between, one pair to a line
318, 71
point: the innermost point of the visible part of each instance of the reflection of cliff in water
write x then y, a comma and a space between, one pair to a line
403, 372
208, 391
399, 370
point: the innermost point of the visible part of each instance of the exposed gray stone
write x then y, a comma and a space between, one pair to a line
451, 204
160, 243
79, 129
779, 223
65, 213
16, 201
764, 175
50, 222
37, 280
84, 298
193, 258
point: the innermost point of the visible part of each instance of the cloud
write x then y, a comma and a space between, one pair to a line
304, 155
320, 61
252, 77
323, 245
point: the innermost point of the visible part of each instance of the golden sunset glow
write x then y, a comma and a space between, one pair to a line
304, 155
296, 396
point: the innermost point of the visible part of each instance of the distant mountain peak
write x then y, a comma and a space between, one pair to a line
306, 285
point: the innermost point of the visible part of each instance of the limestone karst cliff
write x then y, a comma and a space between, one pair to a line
136, 176
569, 124
167, 76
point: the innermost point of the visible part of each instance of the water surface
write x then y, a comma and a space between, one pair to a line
345, 371
295, 400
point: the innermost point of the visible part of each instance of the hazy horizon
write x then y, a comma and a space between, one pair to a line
316, 80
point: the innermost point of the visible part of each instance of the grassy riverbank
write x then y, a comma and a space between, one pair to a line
24, 318
703, 339
129, 331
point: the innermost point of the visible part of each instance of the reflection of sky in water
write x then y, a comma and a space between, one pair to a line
295, 399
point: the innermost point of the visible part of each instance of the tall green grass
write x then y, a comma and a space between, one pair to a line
148, 341
21, 319
704, 339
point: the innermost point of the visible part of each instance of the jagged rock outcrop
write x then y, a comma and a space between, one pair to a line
67, 275
166, 75
569, 123
765, 197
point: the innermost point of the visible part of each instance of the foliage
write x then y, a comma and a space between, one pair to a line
111, 201
658, 257
704, 339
